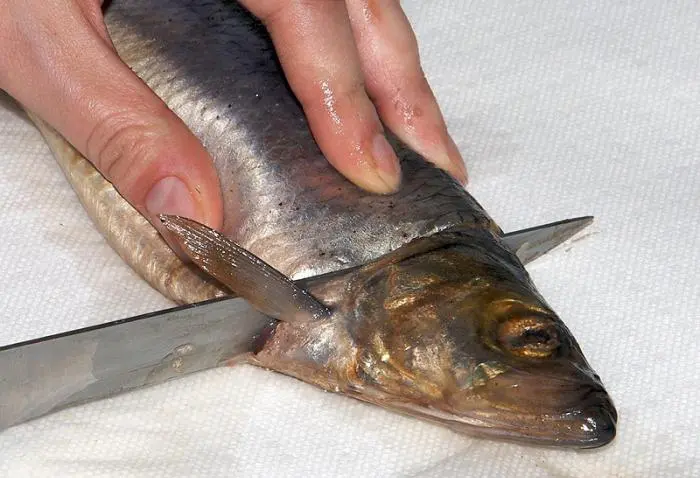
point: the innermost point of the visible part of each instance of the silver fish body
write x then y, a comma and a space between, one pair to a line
214, 65
425, 311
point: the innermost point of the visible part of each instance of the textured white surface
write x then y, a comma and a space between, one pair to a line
562, 108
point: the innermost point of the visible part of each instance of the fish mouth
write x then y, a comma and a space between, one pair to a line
591, 423
545, 412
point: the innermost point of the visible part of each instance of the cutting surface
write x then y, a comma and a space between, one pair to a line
562, 109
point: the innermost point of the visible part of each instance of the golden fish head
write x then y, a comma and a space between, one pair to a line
459, 335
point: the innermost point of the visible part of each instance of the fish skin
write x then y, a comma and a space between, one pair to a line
431, 315
283, 201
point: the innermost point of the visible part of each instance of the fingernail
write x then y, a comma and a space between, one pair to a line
387, 164
170, 196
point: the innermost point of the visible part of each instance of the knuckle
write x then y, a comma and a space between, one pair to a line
327, 95
118, 142
354, 90
350, 94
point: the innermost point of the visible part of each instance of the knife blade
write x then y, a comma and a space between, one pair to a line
531, 243
47, 374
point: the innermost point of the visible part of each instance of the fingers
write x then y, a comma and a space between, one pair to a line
58, 62
334, 53
316, 47
394, 79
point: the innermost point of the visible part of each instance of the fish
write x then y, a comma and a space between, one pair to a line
409, 301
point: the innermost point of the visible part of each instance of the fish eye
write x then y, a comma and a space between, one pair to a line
529, 336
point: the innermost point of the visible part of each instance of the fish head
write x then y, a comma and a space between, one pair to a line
457, 333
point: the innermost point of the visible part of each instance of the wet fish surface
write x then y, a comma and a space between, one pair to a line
290, 206
419, 307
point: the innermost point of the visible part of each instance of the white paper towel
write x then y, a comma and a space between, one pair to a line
562, 108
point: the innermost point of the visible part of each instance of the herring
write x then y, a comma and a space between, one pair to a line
411, 301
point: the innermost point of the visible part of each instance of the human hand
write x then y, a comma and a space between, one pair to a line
56, 59
348, 60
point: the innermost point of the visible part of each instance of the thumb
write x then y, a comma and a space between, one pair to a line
63, 68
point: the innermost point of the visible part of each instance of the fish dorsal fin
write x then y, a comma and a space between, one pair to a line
267, 289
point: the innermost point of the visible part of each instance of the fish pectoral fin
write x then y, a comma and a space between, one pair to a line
263, 286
